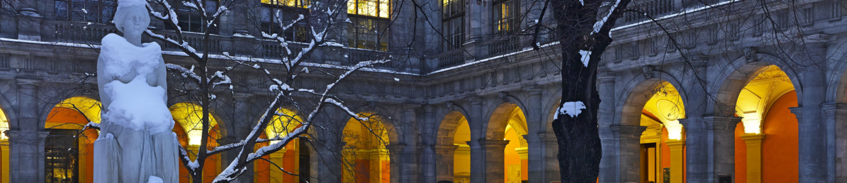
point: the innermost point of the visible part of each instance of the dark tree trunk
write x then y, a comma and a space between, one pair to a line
578, 136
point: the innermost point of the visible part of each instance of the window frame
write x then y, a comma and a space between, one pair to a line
499, 21
299, 32
383, 33
451, 12
99, 14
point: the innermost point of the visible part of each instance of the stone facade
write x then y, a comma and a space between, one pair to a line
43, 59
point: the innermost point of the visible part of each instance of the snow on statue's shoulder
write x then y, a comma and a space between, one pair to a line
572, 108
120, 56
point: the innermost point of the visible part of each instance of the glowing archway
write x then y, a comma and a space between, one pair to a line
189, 117
509, 123
289, 158
453, 149
366, 158
661, 114
768, 132
69, 152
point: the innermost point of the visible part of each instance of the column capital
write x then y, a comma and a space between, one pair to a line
753, 138
721, 122
798, 111
396, 148
627, 131
675, 143
833, 106
501, 144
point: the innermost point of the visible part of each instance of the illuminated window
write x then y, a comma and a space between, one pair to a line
282, 12
453, 23
505, 15
289, 3
369, 27
85, 10
373, 8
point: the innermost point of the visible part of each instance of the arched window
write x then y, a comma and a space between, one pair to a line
369, 24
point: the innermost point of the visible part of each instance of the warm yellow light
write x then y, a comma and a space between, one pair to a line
282, 124
752, 123
87, 106
190, 117
674, 130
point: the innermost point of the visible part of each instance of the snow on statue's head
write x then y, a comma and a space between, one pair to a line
132, 16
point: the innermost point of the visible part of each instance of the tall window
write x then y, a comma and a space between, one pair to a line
100, 11
283, 12
453, 23
190, 19
369, 28
61, 161
505, 16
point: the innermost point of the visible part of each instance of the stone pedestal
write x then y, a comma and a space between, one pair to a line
677, 161
754, 156
494, 159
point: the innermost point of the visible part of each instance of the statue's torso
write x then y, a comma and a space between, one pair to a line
132, 85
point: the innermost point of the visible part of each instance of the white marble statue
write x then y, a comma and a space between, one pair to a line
136, 144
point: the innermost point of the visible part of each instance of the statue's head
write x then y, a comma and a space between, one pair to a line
132, 17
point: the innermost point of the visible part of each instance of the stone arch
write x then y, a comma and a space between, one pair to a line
499, 119
193, 107
837, 83
636, 94
288, 158
453, 155
64, 123
366, 150
447, 127
735, 76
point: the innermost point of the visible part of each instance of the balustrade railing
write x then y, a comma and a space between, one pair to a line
451, 58
505, 46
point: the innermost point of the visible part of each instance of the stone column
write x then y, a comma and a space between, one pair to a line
628, 142
609, 171
241, 112
676, 147
754, 156
696, 135
811, 125
478, 153
26, 141
396, 153
329, 166
494, 159
429, 159
27, 148
836, 140
445, 162
721, 130
4, 147
536, 161
551, 150
536, 149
